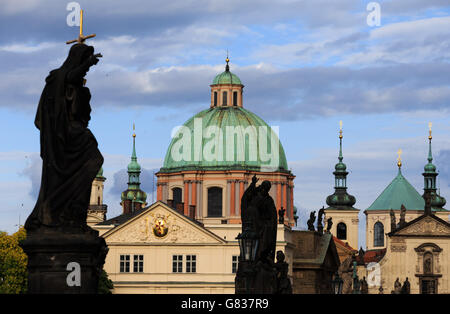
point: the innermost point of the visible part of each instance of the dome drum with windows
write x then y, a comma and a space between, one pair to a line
213, 155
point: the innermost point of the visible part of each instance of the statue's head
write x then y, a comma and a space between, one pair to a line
265, 186
280, 256
78, 53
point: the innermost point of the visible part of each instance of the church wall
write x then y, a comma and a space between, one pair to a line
384, 217
401, 261
350, 218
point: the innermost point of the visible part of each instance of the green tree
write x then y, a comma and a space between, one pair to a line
105, 285
13, 263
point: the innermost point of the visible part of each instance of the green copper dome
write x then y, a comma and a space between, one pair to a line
225, 138
226, 77
398, 192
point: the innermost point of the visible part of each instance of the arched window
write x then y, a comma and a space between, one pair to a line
215, 98
235, 99
378, 234
341, 231
177, 194
215, 202
224, 99
98, 200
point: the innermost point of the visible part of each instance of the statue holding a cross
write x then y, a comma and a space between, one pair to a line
57, 233
69, 150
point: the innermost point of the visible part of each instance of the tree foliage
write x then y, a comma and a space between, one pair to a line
105, 285
13, 263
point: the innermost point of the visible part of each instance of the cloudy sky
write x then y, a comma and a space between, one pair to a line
305, 65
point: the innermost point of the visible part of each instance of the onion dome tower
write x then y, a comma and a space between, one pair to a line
213, 156
345, 216
429, 175
133, 198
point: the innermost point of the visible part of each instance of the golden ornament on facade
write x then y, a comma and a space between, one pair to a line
160, 227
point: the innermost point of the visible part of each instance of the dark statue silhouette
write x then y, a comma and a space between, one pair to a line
57, 232
259, 216
69, 150
258, 209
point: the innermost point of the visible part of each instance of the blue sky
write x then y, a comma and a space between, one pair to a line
305, 66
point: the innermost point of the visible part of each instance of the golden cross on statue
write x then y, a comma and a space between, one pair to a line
81, 38
399, 159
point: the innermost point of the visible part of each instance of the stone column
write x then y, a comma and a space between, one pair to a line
233, 198
186, 198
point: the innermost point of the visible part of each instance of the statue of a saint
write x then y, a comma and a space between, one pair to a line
406, 289
310, 222
70, 157
393, 223
283, 283
258, 210
329, 224
397, 286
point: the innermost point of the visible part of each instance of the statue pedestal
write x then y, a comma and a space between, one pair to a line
64, 262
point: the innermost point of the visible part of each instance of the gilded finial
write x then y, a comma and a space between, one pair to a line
134, 134
227, 60
429, 126
399, 159
340, 129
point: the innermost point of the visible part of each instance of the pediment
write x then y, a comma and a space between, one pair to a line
160, 224
426, 226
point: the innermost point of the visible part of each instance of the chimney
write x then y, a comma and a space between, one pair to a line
192, 212
180, 208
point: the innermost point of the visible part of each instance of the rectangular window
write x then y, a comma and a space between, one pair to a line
124, 263
138, 264
177, 263
234, 263
235, 94
225, 99
215, 98
191, 263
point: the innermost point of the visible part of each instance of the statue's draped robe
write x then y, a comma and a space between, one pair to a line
259, 207
69, 150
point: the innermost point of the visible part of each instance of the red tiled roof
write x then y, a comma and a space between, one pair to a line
343, 244
373, 255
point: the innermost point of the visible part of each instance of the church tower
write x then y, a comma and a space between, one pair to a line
429, 175
133, 198
341, 210
97, 210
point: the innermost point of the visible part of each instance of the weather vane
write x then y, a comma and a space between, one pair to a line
399, 159
81, 38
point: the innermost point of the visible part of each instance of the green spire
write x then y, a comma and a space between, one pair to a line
340, 199
134, 193
429, 175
